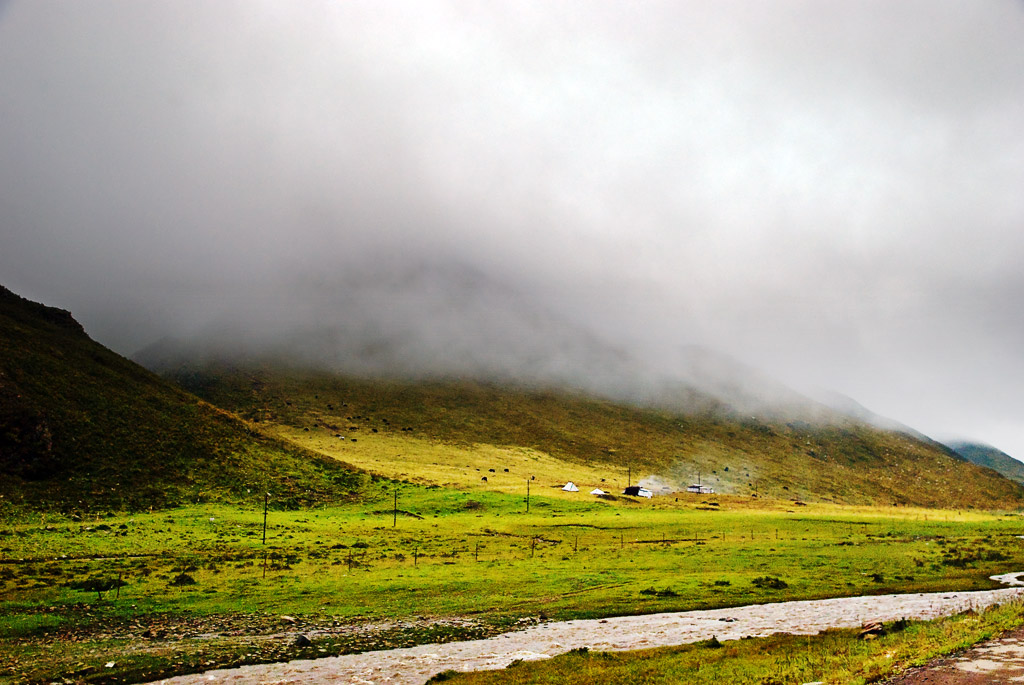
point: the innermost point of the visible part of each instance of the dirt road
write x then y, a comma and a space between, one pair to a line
993, 662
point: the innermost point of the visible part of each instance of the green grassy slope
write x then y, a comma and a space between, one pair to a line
990, 457
843, 461
81, 428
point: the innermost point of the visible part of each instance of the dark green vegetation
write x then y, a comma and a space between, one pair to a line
82, 428
990, 457
840, 461
835, 656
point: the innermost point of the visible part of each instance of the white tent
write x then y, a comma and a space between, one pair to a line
598, 491
570, 487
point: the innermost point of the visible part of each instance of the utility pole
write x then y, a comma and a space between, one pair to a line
266, 501
394, 514
527, 497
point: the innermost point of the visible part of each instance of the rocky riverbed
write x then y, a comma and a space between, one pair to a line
415, 665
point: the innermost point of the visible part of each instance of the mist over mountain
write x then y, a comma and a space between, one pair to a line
828, 191
847, 406
448, 320
84, 425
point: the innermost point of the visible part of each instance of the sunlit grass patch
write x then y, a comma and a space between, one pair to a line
479, 467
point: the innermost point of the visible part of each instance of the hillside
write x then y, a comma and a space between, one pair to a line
838, 460
990, 457
82, 428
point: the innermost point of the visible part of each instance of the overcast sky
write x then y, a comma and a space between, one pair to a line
831, 191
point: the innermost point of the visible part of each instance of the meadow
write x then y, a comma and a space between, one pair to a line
130, 597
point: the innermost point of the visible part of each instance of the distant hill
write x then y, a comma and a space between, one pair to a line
82, 427
990, 457
838, 459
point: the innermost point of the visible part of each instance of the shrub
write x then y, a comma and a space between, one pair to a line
713, 643
97, 584
770, 583
183, 579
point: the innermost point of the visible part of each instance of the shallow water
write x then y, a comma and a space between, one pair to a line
415, 665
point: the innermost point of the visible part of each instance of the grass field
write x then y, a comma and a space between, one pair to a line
187, 589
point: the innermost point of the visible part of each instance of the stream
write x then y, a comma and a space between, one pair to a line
415, 665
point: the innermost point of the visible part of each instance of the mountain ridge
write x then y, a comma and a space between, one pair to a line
989, 457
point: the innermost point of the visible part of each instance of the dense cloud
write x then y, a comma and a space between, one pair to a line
829, 191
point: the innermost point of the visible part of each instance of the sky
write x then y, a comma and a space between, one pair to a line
828, 191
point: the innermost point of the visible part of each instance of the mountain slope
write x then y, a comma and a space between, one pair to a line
990, 457
81, 427
840, 460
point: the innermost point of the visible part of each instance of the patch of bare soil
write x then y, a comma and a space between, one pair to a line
996, 661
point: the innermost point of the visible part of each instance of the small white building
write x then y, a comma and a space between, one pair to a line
598, 492
570, 487
700, 489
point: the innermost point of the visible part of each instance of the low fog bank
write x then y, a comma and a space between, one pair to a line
445, 320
